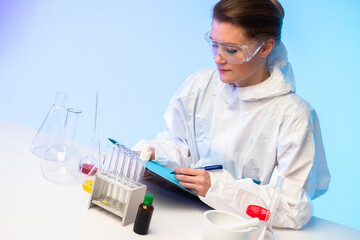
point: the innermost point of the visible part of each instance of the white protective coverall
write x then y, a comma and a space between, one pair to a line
257, 133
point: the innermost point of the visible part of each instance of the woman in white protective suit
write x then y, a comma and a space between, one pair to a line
245, 115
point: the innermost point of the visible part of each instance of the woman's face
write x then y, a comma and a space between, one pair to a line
246, 73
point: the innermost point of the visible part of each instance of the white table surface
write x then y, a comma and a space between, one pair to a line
33, 208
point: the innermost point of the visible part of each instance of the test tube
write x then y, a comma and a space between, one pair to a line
123, 163
112, 175
133, 169
110, 161
103, 163
126, 174
118, 191
127, 162
114, 202
114, 162
140, 169
107, 193
104, 169
124, 199
110, 194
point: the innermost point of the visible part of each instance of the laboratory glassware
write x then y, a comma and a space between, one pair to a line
60, 163
116, 176
105, 195
115, 186
273, 205
51, 129
90, 163
119, 194
105, 162
135, 170
89, 169
129, 208
266, 231
124, 167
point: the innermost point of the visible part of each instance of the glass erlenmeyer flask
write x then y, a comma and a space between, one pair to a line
50, 131
61, 161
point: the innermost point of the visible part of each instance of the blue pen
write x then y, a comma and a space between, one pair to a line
117, 144
114, 142
208, 168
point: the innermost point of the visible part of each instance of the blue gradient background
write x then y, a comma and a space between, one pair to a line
137, 53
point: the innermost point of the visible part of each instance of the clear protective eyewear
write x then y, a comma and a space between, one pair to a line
232, 53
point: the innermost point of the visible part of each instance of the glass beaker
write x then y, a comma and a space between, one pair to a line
60, 163
51, 129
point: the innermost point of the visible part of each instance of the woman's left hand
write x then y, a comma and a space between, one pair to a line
197, 180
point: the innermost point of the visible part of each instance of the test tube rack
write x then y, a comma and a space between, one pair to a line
135, 196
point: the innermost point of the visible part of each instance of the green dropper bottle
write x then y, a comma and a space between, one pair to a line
144, 214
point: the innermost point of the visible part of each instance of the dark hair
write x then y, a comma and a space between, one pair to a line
259, 18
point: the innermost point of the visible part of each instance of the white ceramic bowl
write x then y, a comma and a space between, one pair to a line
213, 221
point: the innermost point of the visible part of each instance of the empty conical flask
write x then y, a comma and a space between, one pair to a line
60, 163
50, 131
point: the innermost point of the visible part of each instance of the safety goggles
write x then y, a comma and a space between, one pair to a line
233, 53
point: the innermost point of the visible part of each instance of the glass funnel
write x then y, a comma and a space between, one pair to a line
266, 231
89, 164
60, 163
50, 131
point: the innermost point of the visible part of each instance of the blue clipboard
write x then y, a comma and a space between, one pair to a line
164, 173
